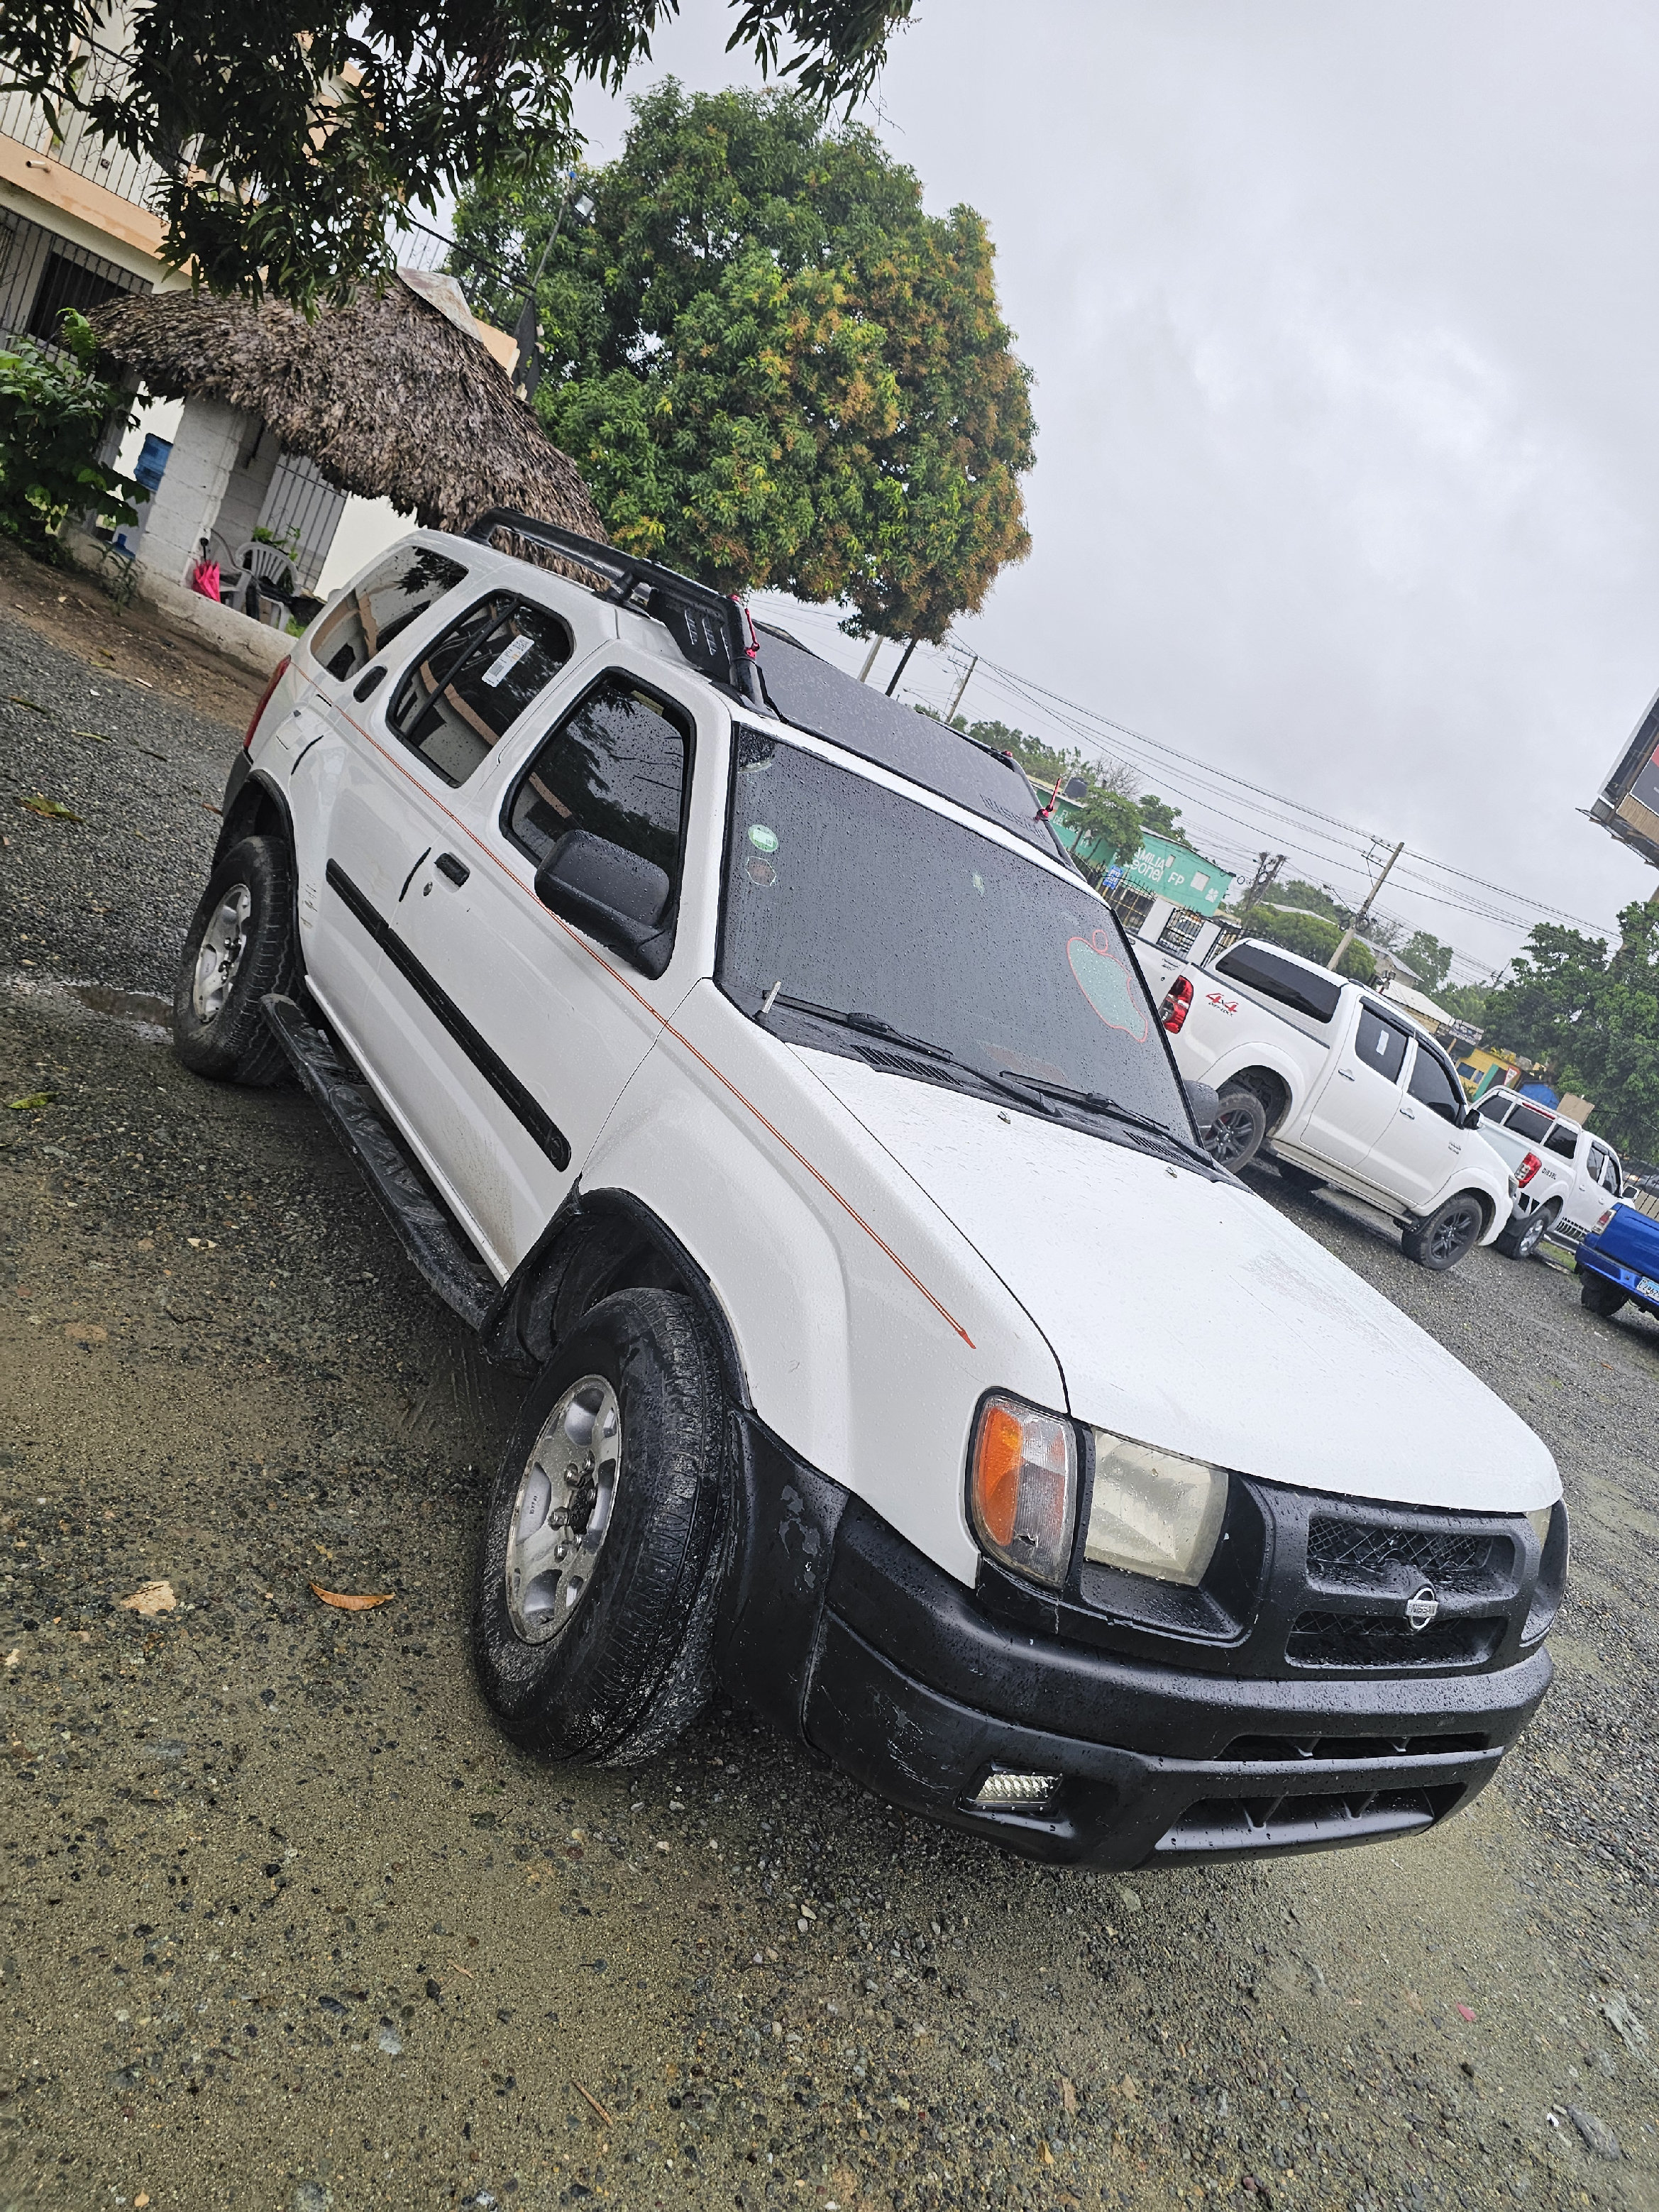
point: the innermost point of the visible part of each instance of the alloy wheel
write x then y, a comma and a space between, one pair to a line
220, 955
1229, 1135
562, 1512
1454, 1232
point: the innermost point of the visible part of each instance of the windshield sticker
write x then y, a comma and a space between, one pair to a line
762, 839
759, 872
506, 661
1104, 983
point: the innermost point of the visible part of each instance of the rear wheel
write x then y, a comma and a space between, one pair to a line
1450, 1231
1601, 1296
1521, 1239
599, 1571
239, 946
1238, 1131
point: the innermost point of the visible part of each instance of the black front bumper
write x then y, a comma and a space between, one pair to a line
891, 1669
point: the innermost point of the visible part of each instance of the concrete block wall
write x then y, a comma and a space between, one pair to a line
186, 506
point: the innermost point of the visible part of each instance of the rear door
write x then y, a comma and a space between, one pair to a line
1419, 1148
1363, 1092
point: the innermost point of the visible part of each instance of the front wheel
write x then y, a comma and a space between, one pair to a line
1449, 1232
1238, 1131
239, 946
1600, 1297
600, 1568
1521, 1239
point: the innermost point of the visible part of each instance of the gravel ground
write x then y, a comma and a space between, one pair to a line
286, 1923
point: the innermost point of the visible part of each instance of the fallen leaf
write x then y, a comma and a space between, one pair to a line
149, 1599
349, 1604
1467, 2014
142, 2198
85, 1332
594, 2101
35, 1100
208, 809
1068, 2098
18, 700
14, 1656
98, 737
51, 810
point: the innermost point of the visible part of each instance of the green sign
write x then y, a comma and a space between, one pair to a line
1174, 872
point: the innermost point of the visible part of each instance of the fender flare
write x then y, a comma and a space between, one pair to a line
1244, 1060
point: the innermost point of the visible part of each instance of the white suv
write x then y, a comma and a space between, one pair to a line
740, 1054
1566, 1178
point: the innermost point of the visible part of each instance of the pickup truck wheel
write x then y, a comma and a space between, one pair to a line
599, 1567
1449, 1232
1521, 1239
239, 946
1601, 1296
1237, 1133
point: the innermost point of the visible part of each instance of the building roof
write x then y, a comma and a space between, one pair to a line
390, 396
1417, 1003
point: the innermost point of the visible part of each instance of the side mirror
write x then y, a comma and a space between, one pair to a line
1204, 1104
612, 894
1472, 1118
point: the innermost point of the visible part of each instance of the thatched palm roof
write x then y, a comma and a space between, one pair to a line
389, 396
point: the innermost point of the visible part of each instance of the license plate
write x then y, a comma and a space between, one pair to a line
1646, 1287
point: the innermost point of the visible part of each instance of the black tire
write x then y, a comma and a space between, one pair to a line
229, 1041
617, 1678
1299, 1178
1600, 1297
1520, 1239
1239, 1129
1450, 1232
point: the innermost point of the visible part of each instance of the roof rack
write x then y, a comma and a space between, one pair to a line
713, 632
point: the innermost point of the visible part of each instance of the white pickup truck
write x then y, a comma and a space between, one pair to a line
1337, 1087
1567, 1178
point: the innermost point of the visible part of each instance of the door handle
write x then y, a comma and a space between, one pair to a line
1346, 1073
372, 681
447, 864
1406, 1115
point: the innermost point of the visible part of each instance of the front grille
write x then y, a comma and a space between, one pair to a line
1368, 1555
1345, 1640
1267, 1824
1285, 1750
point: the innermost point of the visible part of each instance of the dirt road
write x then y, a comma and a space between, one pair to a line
287, 1925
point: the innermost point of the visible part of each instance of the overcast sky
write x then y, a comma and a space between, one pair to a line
1345, 328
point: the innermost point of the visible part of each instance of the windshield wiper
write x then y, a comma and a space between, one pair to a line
866, 1024
1097, 1102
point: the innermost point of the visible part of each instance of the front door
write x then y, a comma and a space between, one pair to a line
1362, 1093
1418, 1149
517, 1032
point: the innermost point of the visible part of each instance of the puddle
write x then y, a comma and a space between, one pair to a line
147, 1008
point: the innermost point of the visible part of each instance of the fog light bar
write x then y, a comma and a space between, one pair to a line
1015, 1790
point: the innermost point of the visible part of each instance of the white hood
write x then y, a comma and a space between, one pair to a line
1191, 1315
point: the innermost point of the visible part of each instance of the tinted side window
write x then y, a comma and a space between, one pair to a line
1281, 979
467, 690
1563, 1139
1495, 1107
386, 600
1527, 1121
1432, 1083
1379, 1046
1611, 1176
615, 766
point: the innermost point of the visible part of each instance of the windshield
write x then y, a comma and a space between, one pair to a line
845, 898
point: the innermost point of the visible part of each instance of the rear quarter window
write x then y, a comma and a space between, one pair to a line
1281, 979
379, 604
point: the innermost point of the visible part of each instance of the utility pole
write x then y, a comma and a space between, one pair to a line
1364, 914
1267, 867
955, 700
869, 660
904, 662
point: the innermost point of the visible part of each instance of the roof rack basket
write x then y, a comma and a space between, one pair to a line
713, 632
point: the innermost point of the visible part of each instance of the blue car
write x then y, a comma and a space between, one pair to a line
1619, 1261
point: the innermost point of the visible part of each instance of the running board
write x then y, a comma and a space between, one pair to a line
424, 1229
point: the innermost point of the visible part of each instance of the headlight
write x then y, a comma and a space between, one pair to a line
1541, 1523
1153, 1512
1022, 1487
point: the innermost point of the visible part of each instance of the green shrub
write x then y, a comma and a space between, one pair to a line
54, 409
1313, 937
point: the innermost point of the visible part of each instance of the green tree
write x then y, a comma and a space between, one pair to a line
1466, 1002
1310, 898
286, 133
1592, 1017
774, 368
1164, 821
1428, 958
1313, 937
1107, 820
53, 411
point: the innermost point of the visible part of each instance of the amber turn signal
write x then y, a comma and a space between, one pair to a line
1022, 1487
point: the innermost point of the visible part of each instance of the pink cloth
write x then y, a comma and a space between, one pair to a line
205, 578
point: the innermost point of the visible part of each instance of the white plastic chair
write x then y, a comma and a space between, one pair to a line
258, 563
